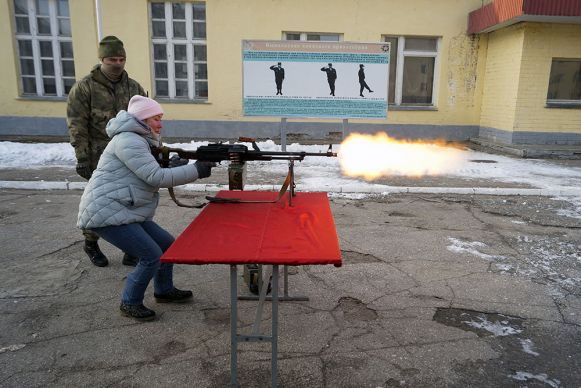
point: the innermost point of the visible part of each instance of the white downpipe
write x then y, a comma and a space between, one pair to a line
98, 14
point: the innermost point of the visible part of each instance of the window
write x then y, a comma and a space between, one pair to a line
565, 82
412, 68
180, 63
45, 48
311, 36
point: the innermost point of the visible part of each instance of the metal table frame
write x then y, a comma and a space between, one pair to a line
255, 336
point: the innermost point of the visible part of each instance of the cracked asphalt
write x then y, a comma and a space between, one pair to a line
435, 291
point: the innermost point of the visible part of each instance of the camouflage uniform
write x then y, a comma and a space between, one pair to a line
92, 102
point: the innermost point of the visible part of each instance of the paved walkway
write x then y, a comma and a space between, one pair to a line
439, 288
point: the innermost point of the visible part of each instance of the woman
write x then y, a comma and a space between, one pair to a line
120, 199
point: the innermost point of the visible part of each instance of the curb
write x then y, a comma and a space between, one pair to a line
353, 189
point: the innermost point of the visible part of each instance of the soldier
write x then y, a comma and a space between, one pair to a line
331, 77
362, 83
278, 77
92, 102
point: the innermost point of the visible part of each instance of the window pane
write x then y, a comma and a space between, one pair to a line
42, 7
178, 10
418, 77
199, 30
161, 88
180, 52
158, 10
47, 67
201, 71
199, 11
159, 51
565, 80
323, 37
293, 36
64, 27
392, 69
49, 85
160, 69
201, 89
200, 53
21, 7
420, 44
68, 68
68, 84
330, 38
43, 26
63, 8
181, 70
28, 85
66, 49
179, 29
181, 88
45, 49
25, 48
22, 25
158, 29
27, 67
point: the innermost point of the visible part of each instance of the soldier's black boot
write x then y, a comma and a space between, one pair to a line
94, 252
129, 260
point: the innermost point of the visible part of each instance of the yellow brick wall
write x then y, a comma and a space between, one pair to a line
459, 79
501, 78
542, 43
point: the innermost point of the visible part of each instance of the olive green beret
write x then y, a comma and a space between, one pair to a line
111, 46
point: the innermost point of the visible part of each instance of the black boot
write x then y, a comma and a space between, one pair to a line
137, 311
174, 296
129, 260
97, 257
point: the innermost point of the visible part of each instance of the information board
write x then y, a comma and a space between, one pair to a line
315, 79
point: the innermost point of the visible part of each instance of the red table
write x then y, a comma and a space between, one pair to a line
259, 233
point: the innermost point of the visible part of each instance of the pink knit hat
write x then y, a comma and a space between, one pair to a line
143, 107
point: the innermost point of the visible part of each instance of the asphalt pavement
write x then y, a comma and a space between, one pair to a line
436, 290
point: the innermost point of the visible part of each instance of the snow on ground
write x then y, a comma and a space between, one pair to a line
474, 248
528, 346
498, 329
537, 173
542, 377
319, 173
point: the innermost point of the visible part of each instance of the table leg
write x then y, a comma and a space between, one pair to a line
233, 326
274, 330
262, 297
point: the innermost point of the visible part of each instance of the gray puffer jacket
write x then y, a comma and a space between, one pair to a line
124, 187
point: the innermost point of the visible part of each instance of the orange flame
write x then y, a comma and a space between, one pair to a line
374, 156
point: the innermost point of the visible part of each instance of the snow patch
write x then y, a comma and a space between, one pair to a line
498, 329
12, 348
459, 246
542, 377
528, 346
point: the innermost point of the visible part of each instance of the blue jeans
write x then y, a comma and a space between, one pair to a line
147, 241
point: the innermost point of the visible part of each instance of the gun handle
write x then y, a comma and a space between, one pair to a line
250, 140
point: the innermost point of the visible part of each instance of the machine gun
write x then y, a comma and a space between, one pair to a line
218, 152
238, 155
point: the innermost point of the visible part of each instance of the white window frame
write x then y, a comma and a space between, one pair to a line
402, 54
169, 42
36, 38
303, 35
